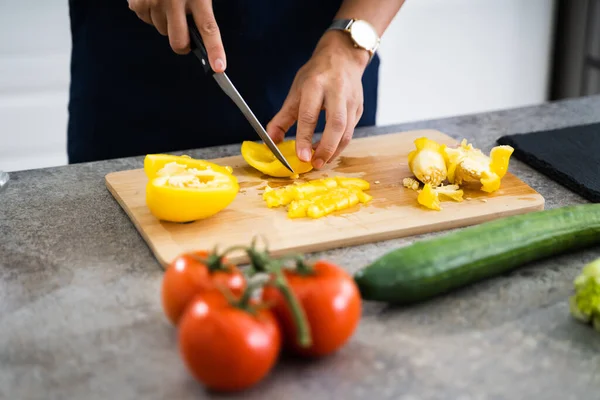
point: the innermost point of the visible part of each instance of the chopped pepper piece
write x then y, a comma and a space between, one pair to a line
427, 162
259, 156
453, 192
319, 197
467, 164
182, 189
429, 198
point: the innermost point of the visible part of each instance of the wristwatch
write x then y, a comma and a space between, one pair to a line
362, 33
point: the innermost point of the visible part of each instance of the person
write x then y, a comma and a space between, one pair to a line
136, 89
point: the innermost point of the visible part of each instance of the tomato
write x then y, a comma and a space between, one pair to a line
185, 277
226, 347
331, 302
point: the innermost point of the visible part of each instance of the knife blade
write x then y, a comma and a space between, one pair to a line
197, 47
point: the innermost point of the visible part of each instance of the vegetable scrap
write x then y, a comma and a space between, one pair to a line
319, 197
433, 164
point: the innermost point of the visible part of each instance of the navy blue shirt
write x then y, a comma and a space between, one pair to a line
131, 95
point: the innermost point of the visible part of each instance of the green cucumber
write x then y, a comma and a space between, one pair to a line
438, 265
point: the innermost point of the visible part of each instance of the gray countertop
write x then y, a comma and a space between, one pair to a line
80, 313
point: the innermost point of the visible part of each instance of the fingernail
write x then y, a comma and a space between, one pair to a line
318, 163
219, 64
305, 155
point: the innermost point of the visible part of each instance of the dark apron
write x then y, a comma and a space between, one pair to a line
132, 95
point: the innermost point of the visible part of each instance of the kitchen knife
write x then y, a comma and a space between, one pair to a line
197, 47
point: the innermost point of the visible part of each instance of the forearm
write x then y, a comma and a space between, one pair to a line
378, 13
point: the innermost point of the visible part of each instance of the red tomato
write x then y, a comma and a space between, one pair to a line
331, 302
224, 346
186, 277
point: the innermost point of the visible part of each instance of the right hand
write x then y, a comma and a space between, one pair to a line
169, 18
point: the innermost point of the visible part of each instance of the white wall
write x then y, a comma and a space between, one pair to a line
448, 57
439, 58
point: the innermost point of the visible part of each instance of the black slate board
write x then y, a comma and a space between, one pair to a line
569, 156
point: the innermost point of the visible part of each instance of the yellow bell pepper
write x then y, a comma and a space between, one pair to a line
467, 164
183, 189
427, 162
318, 197
154, 162
261, 158
430, 196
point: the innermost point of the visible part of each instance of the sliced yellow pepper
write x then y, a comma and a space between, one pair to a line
428, 162
182, 189
259, 156
429, 198
319, 197
467, 164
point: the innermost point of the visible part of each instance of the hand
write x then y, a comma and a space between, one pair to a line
169, 18
330, 80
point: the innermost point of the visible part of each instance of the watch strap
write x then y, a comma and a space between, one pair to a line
340, 24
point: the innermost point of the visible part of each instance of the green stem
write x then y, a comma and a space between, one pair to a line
244, 301
303, 268
302, 328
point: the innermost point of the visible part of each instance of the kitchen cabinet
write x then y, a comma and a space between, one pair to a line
439, 58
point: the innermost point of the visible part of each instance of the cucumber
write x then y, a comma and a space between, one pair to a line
436, 266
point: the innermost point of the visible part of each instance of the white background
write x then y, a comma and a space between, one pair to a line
439, 58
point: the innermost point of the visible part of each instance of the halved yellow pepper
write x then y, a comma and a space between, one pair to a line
318, 197
467, 164
182, 189
259, 156
155, 162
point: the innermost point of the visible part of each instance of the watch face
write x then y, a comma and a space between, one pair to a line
364, 34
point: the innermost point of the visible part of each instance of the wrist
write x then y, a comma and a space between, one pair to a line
340, 44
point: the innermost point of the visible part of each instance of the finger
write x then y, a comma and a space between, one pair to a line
144, 15
284, 119
209, 30
308, 116
347, 136
179, 36
159, 20
141, 10
335, 126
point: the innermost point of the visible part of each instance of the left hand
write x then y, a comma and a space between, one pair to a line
332, 81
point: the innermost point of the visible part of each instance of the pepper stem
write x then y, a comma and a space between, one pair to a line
302, 328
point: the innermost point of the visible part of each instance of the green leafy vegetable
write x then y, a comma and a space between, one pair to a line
585, 304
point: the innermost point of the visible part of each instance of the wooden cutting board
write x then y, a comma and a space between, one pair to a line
393, 212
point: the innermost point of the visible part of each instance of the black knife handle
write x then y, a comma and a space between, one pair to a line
197, 45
